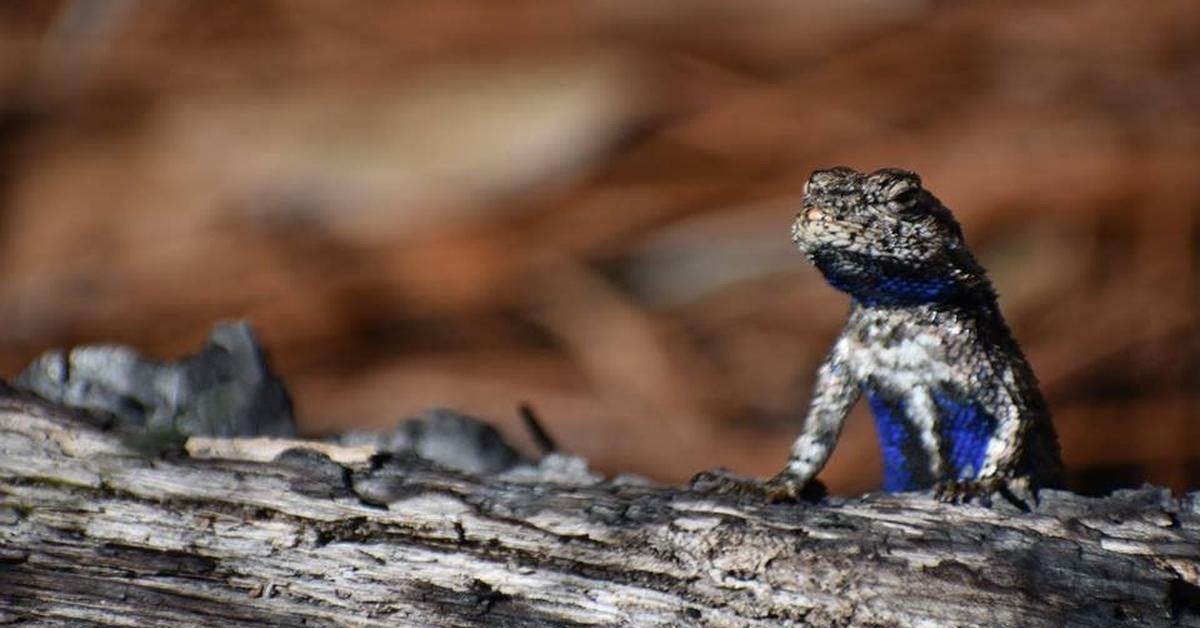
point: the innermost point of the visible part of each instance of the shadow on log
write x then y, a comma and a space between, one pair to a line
93, 533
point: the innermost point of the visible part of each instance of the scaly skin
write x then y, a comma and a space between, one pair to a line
956, 405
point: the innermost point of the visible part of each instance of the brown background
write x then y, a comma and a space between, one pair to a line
586, 205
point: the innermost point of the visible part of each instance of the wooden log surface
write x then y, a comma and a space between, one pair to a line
93, 533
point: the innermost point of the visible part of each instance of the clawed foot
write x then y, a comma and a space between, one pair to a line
785, 488
981, 490
722, 482
781, 488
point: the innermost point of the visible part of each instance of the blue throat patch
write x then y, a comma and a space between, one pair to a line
873, 281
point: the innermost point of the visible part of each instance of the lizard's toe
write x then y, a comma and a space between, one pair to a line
964, 491
982, 490
781, 488
722, 482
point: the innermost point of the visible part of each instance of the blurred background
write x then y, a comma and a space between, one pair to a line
586, 205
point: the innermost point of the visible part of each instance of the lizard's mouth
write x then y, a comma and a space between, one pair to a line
813, 213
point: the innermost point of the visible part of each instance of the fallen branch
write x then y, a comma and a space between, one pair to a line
92, 532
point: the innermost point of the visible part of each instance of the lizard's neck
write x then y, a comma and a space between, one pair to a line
878, 281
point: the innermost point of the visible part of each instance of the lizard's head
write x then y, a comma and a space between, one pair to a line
882, 238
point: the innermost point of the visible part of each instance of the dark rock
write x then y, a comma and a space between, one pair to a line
316, 474
227, 389
448, 438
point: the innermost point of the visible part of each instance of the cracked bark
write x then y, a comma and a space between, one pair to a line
91, 532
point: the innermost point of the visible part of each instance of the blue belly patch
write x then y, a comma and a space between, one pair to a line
966, 430
905, 463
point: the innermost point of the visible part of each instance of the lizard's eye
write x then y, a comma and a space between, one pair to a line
896, 188
901, 194
904, 198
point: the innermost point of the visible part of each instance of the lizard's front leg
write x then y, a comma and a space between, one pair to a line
834, 393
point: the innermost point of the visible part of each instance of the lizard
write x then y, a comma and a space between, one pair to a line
957, 407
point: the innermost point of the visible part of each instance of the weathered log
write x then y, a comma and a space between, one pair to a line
91, 532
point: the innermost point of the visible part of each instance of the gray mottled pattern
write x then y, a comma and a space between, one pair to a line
955, 401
